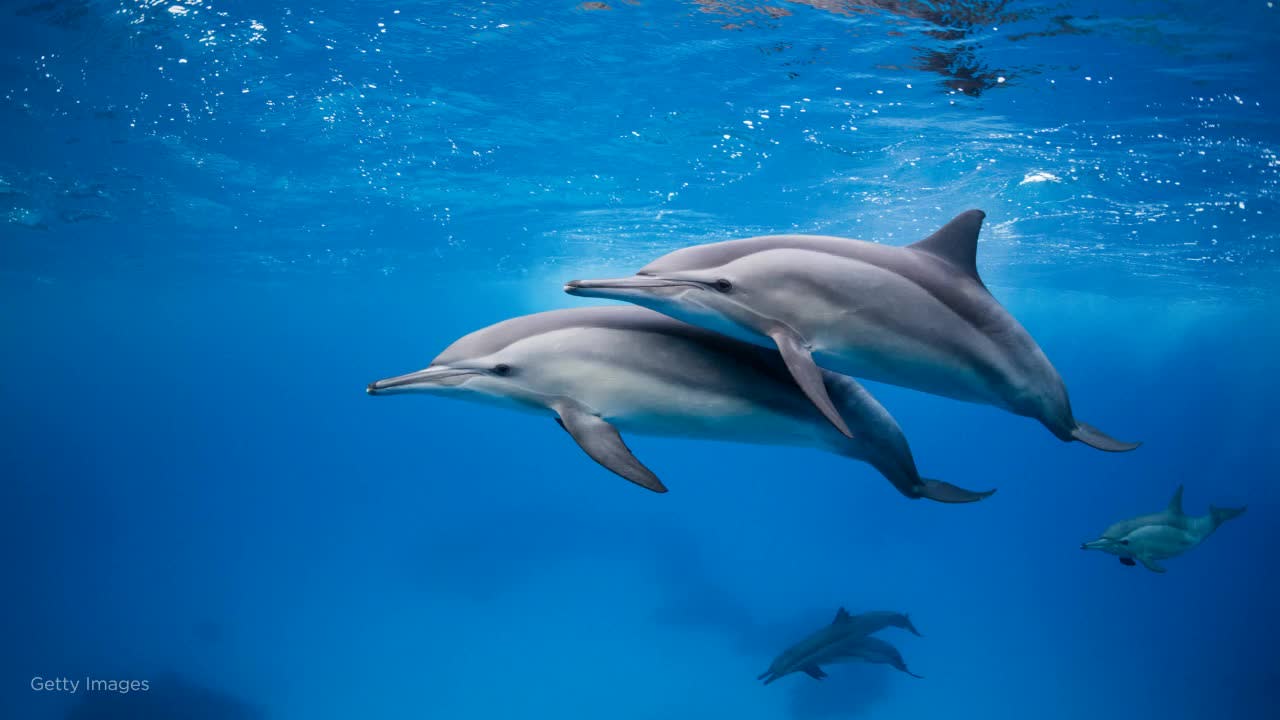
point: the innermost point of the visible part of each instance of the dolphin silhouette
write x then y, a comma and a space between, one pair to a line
840, 641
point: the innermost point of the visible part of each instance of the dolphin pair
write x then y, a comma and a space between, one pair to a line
846, 639
603, 370
1148, 539
916, 316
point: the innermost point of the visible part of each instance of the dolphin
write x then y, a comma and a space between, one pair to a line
916, 316
1160, 536
872, 650
833, 643
603, 370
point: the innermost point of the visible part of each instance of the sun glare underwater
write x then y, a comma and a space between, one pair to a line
778, 359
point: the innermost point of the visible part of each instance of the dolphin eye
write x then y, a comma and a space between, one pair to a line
502, 369
723, 285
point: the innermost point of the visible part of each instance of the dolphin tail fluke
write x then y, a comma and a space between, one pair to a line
910, 626
945, 492
1221, 515
1095, 438
918, 677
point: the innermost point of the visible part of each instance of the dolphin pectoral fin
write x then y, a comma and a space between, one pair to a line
1150, 564
1128, 561
602, 443
1095, 438
814, 672
808, 376
945, 492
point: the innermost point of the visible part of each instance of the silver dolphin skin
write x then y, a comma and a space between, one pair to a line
916, 316
846, 639
1148, 539
601, 371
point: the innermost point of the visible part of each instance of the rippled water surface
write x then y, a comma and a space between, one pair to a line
377, 136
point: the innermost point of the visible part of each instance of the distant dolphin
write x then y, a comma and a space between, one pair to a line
872, 650
916, 316
833, 643
1160, 536
600, 370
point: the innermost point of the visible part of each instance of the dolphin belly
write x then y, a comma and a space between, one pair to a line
675, 389
891, 330
1161, 542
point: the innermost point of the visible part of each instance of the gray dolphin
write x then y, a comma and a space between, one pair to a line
916, 316
601, 370
872, 650
1160, 536
833, 643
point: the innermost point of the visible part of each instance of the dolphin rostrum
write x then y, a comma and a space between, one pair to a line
1160, 536
602, 370
916, 316
837, 642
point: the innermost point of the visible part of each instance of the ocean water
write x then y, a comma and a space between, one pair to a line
219, 220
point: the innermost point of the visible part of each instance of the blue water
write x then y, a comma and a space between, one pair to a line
219, 220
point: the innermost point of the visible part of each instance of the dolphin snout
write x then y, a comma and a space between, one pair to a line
618, 287
426, 380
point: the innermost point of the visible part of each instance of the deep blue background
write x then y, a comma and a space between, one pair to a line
196, 283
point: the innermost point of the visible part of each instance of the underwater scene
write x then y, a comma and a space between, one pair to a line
637, 359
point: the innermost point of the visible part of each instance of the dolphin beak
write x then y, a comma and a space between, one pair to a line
1099, 544
432, 377
620, 287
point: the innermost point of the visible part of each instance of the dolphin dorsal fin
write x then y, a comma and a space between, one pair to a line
956, 242
1175, 504
842, 615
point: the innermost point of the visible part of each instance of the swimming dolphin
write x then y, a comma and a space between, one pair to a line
602, 370
1160, 536
872, 650
832, 643
916, 316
